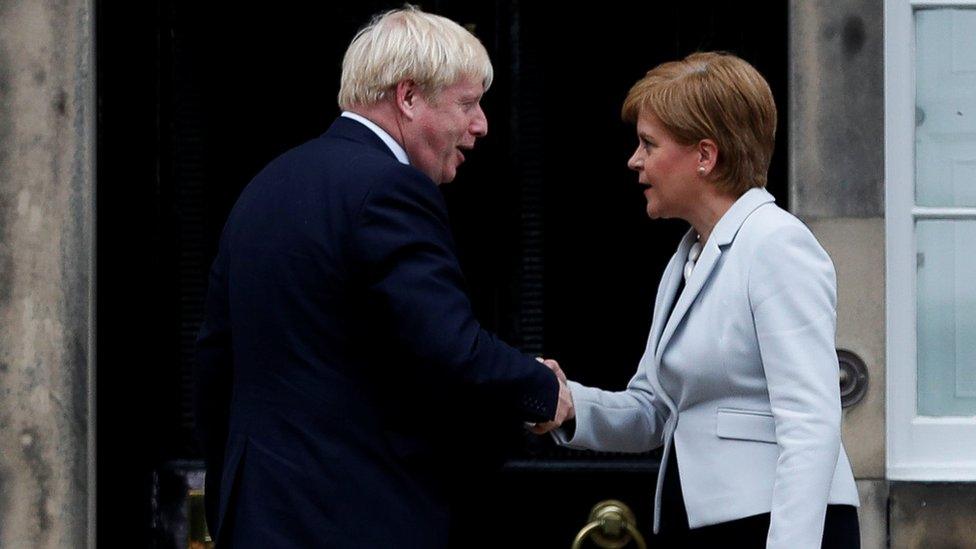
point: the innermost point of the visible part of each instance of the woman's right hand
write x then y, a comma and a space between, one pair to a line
565, 410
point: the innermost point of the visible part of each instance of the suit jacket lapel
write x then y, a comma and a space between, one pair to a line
722, 235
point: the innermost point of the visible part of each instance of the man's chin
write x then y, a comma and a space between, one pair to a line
448, 177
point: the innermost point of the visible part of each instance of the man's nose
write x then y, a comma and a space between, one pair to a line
479, 126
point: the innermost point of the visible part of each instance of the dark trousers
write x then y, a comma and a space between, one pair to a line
841, 528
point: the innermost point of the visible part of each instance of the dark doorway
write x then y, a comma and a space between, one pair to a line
194, 98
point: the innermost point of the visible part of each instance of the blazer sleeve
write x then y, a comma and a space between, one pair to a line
213, 384
631, 420
792, 292
406, 252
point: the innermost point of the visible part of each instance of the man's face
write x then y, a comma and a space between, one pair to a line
444, 127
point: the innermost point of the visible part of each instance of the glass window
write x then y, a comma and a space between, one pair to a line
945, 160
945, 114
946, 318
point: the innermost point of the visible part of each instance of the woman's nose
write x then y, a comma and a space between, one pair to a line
634, 162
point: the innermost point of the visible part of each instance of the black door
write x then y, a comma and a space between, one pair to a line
560, 258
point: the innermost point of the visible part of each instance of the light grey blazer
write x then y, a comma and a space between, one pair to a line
743, 375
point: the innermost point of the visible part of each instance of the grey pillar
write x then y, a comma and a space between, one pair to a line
46, 273
836, 118
836, 111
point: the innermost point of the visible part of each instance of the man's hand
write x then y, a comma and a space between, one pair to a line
564, 409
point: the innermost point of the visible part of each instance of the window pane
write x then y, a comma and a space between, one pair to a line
945, 137
946, 318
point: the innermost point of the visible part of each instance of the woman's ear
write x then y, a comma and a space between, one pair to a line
707, 156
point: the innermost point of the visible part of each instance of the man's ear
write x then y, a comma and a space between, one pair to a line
707, 156
407, 94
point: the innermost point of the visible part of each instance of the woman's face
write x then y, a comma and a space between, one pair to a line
666, 169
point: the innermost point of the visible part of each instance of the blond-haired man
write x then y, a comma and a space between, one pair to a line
340, 361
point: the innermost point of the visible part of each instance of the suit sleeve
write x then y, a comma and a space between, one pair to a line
792, 292
212, 385
406, 253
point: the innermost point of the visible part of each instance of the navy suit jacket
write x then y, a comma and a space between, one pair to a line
342, 378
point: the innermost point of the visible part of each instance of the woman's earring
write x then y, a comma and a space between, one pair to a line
701, 170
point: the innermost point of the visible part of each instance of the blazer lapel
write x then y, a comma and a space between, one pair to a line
722, 235
703, 269
669, 288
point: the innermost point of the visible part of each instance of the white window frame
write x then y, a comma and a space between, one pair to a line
918, 448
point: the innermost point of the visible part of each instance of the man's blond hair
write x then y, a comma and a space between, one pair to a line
409, 44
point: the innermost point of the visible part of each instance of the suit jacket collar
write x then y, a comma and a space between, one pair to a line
352, 130
722, 235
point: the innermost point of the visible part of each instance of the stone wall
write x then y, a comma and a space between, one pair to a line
46, 273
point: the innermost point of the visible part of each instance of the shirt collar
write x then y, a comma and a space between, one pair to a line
395, 147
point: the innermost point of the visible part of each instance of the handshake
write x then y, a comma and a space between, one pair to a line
564, 409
